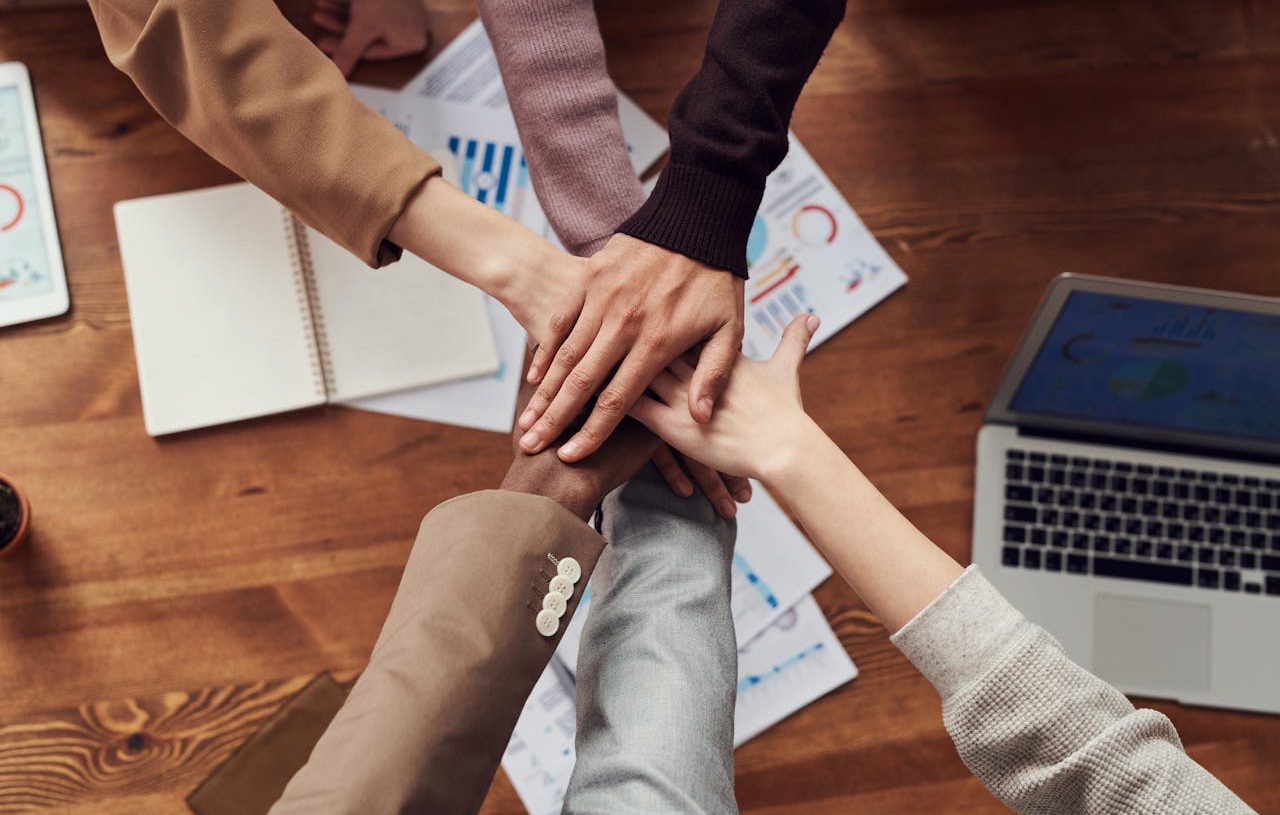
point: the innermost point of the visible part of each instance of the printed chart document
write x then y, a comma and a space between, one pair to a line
795, 661
466, 71
791, 664
774, 567
809, 252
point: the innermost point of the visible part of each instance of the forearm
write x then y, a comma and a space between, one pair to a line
729, 127
566, 109
890, 564
250, 90
475, 243
1039, 731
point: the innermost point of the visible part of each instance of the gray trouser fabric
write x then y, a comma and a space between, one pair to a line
657, 669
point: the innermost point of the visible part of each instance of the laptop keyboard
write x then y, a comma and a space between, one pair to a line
1116, 519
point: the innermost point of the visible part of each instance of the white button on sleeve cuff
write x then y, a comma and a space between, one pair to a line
562, 585
571, 569
554, 601
548, 623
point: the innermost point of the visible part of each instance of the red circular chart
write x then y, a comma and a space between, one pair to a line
18, 207
814, 225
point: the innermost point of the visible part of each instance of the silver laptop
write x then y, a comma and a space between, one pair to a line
1128, 491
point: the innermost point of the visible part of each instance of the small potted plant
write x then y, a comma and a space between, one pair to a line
15, 515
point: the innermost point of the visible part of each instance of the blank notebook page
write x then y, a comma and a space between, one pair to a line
402, 326
218, 325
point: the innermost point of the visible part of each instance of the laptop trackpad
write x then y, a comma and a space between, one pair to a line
1151, 644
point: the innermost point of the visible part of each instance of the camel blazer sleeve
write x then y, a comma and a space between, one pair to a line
251, 91
425, 726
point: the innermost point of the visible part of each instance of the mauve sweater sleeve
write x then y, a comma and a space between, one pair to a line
566, 109
729, 127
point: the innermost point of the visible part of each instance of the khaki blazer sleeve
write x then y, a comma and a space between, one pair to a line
427, 722
251, 91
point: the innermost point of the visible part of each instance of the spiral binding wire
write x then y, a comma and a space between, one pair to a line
304, 281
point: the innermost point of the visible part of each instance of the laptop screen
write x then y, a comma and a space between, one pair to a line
1117, 358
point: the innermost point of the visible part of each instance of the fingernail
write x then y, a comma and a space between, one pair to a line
527, 418
743, 495
684, 489
727, 507
813, 322
705, 405
533, 373
570, 449
530, 441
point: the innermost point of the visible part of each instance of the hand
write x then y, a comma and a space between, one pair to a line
760, 424
716, 486
580, 487
370, 29
644, 306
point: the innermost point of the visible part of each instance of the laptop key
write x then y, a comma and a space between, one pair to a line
1058, 538
1253, 588
1078, 564
1123, 546
1101, 543
1080, 541
1015, 534
1053, 561
1013, 472
1038, 536
1031, 558
1226, 557
1035, 474
1143, 549
1207, 578
1248, 560
1009, 556
1019, 513
1231, 581
1270, 563
1186, 552
1017, 492
1140, 570
1164, 551
1015, 455
1273, 584
1206, 554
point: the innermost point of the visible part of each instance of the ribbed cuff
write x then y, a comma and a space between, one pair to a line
956, 638
699, 214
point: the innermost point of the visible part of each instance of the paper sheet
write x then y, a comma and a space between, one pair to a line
774, 566
539, 758
794, 662
790, 665
466, 71
809, 252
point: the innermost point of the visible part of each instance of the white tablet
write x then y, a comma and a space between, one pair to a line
32, 281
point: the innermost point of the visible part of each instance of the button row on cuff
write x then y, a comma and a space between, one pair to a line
556, 601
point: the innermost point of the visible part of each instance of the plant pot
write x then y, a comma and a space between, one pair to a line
15, 515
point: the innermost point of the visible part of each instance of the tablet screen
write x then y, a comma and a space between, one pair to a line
1138, 361
24, 264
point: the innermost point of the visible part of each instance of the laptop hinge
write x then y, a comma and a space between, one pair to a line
1140, 444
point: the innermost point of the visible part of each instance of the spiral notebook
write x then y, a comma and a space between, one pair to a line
239, 310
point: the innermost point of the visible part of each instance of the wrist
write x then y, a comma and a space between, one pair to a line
790, 462
571, 494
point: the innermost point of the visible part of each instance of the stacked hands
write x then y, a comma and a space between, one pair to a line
755, 431
605, 329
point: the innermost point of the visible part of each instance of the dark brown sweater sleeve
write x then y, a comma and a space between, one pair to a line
729, 127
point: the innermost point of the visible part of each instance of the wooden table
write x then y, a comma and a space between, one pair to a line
176, 591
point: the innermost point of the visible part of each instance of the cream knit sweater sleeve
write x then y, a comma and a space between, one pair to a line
1043, 734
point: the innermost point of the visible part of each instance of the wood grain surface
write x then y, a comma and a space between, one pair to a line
174, 592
